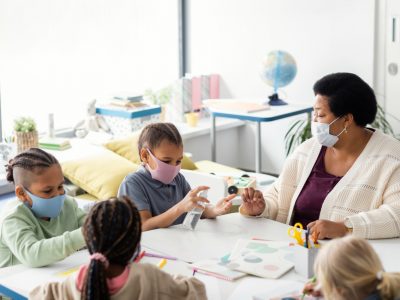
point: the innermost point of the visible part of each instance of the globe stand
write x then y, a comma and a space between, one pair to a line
274, 100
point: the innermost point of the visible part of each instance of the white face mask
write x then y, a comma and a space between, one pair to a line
321, 132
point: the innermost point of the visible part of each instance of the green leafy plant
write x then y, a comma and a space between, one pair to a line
300, 130
24, 124
160, 97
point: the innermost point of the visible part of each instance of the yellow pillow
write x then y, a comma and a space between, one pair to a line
99, 175
127, 148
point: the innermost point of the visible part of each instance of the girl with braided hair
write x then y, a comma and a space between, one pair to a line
42, 225
112, 233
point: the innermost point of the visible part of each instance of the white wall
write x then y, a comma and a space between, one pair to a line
57, 55
231, 37
389, 84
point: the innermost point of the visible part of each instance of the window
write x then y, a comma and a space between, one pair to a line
56, 56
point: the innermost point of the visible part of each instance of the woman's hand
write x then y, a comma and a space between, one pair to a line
191, 199
253, 202
322, 229
222, 207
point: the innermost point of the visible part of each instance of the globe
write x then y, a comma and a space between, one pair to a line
278, 69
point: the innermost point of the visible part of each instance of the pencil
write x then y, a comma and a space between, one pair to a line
148, 254
211, 274
140, 256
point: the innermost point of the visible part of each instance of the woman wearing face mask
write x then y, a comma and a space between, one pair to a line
42, 225
160, 192
346, 179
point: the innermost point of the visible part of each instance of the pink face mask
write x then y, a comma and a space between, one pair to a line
164, 172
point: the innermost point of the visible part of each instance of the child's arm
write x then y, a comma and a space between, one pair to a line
222, 207
167, 218
20, 238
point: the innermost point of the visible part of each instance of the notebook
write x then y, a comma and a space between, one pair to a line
54, 143
217, 268
267, 259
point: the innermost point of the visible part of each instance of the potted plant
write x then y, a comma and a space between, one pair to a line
301, 130
26, 135
161, 97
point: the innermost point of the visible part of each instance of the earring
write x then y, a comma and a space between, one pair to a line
345, 129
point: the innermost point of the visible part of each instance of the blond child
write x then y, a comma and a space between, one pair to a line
349, 268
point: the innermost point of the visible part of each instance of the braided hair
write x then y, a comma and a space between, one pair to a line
153, 134
33, 160
112, 228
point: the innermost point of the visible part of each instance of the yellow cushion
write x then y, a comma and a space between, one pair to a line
100, 175
127, 147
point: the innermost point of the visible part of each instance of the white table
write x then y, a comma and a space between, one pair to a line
211, 239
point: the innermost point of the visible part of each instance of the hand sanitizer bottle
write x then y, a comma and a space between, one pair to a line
193, 216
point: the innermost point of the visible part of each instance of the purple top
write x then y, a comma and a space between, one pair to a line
312, 196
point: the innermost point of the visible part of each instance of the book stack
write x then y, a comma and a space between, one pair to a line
189, 93
54, 143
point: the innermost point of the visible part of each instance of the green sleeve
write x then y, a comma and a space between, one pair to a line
32, 251
80, 214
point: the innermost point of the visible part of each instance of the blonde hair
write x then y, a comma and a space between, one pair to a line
349, 268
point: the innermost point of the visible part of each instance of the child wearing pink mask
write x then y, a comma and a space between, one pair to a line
160, 192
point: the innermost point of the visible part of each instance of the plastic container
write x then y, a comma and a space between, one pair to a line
193, 216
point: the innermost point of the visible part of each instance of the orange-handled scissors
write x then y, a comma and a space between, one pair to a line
296, 232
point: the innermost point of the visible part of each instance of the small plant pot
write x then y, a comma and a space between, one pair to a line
26, 140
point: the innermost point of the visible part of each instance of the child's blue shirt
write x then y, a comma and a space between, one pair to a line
152, 195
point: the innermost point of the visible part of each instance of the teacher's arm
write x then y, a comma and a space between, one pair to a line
384, 221
379, 223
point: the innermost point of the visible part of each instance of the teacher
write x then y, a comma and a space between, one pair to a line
346, 179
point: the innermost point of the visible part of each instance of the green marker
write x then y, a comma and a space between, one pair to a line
312, 280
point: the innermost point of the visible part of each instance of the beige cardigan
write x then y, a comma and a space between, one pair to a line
145, 282
368, 195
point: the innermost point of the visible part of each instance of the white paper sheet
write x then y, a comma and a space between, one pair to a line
251, 288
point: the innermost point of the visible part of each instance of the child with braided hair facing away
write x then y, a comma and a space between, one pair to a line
112, 233
42, 225
349, 268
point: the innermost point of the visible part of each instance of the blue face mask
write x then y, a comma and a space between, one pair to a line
46, 208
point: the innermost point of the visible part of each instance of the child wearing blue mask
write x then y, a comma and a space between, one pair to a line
160, 192
42, 225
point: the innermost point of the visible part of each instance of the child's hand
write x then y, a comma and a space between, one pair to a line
253, 202
191, 199
222, 207
312, 288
